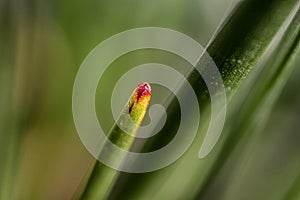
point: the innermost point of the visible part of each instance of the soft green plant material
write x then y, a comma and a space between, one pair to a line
102, 177
253, 103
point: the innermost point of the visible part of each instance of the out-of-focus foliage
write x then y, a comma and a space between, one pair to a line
42, 44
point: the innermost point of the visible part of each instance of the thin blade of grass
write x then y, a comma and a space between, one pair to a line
102, 177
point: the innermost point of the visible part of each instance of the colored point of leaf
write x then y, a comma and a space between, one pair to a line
138, 103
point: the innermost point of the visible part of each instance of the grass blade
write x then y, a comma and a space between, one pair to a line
103, 177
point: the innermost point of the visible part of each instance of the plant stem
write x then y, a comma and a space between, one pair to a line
103, 178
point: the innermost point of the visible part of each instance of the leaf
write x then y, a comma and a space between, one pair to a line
102, 177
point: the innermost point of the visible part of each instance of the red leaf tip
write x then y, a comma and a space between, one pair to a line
142, 90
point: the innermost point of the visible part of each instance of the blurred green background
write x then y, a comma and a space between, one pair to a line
43, 43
